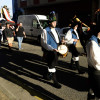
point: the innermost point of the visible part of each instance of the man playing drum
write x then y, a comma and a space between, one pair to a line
71, 39
49, 41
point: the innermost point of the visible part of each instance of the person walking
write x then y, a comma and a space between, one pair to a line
20, 34
50, 40
93, 58
3, 33
0, 34
71, 38
9, 33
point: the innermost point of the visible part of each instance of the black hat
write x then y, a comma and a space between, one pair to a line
52, 16
74, 24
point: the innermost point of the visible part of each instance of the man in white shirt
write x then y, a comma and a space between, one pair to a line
71, 39
49, 40
93, 57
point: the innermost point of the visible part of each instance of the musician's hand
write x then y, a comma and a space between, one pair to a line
75, 40
56, 50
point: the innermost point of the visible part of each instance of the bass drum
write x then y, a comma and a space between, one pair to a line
63, 50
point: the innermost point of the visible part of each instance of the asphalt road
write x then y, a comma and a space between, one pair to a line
26, 67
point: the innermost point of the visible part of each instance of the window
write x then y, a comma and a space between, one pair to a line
35, 23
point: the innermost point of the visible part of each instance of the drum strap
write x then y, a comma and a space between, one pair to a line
58, 35
74, 33
51, 34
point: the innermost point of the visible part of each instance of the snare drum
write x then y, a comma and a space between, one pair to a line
63, 50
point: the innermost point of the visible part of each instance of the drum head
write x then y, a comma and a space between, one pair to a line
63, 49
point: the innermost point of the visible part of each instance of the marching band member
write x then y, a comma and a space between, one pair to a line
71, 39
93, 57
49, 41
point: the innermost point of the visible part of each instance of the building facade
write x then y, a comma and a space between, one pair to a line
65, 9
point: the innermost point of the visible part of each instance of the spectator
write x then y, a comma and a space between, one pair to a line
0, 34
20, 34
9, 33
3, 33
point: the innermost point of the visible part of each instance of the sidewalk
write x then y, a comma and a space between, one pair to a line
11, 91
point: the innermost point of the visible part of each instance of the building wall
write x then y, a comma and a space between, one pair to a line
65, 9
42, 2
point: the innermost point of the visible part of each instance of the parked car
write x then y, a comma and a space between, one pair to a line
64, 30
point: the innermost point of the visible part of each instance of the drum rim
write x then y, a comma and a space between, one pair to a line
66, 49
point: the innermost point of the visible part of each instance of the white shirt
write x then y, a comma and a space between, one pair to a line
68, 37
55, 34
93, 54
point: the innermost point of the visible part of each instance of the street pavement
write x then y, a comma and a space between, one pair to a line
21, 75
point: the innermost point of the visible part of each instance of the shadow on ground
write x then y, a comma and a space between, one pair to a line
16, 63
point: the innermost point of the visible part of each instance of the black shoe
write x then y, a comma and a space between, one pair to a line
57, 85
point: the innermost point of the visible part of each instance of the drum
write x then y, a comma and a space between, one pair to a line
63, 50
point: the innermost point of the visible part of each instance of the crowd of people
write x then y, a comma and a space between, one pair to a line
50, 40
8, 32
